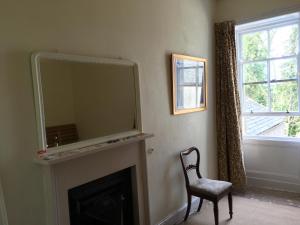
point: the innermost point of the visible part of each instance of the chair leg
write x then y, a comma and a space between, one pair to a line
200, 204
230, 204
189, 197
216, 213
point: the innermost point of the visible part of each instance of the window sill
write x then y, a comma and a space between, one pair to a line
272, 141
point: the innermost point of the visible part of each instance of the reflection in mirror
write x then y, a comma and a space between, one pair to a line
84, 99
189, 84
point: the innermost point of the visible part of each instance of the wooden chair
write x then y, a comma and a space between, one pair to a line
212, 190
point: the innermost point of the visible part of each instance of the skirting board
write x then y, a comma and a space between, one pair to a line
178, 216
273, 184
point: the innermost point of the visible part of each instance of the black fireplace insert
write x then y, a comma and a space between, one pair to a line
105, 201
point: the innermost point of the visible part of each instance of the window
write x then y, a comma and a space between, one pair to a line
268, 65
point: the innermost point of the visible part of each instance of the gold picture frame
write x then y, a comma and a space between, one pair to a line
189, 78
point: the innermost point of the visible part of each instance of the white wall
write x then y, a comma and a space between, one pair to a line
104, 99
58, 96
146, 32
268, 164
273, 164
244, 10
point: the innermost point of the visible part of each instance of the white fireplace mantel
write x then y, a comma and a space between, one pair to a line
69, 169
54, 157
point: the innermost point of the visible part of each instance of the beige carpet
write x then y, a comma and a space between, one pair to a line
247, 212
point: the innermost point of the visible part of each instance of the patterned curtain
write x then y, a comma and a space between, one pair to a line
230, 159
3, 216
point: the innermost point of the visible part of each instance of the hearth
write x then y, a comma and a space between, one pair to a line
105, 201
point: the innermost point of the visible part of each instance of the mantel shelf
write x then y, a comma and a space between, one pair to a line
51, 158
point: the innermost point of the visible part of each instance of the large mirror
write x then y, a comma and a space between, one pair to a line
83, 99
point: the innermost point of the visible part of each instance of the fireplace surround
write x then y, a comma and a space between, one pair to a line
63, 174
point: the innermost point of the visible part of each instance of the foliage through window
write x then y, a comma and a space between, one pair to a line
268, 64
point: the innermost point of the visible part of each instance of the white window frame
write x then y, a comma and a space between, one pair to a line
262, 25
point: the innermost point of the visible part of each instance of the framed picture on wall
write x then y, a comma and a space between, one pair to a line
189, 76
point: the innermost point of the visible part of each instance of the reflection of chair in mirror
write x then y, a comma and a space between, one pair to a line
212, 190
61, 135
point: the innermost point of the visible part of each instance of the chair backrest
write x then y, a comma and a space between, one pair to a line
61, 135
188, 167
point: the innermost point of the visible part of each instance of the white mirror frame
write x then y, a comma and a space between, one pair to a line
39, 105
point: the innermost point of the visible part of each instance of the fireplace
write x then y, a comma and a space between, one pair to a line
105, 201
66, 172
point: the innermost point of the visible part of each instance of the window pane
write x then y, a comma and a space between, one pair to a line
284, 96
187, 76
255, 45
271, 126
253, 72
190, 72
256, 98
200, 97
186, 97
281, 69
284, 41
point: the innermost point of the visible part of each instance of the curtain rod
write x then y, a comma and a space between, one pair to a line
274, 13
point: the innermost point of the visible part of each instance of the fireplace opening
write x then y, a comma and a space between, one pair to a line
105, 201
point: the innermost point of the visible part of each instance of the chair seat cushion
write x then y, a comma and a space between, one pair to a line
210, 188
